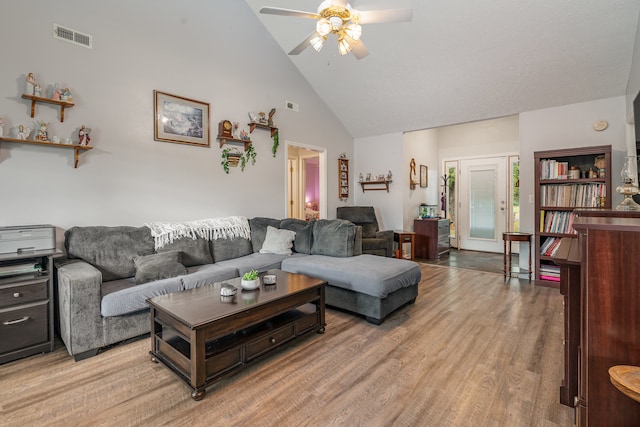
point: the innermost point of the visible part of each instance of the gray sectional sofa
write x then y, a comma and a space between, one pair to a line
108, 274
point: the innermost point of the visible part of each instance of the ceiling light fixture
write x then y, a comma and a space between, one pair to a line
339, 18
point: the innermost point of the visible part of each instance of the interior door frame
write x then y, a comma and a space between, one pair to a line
322, 170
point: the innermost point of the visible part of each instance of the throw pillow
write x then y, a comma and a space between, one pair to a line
194, 251
278, 241
158, 266
304, 234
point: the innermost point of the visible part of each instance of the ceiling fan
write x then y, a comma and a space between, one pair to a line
339, 18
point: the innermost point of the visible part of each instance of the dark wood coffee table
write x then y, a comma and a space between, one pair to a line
203, 336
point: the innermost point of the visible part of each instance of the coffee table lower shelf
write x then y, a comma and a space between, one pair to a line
224, 352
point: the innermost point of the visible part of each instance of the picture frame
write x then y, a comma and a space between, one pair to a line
423, 176
180, 120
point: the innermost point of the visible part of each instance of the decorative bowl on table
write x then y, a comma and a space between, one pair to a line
250, 285
269, 279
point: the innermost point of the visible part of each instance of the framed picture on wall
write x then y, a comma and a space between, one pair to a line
423, 176
180, 120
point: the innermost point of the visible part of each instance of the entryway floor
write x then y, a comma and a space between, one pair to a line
472, 260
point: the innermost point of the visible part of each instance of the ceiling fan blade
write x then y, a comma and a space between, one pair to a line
303, 44
358, 48
386, 15
289, 12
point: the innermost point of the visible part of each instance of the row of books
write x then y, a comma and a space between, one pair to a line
550, 246
553, 169
557, 222
572, 195
550, 272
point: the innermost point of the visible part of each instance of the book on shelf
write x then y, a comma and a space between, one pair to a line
553, 169
23, 268
572, 195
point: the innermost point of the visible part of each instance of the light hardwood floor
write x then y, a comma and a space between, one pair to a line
472, 351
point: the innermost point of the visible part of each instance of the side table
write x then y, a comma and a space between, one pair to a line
404, 237
509, 237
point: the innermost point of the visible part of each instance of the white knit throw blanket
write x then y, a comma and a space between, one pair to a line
209, 229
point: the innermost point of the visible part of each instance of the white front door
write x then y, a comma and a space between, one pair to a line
482, 205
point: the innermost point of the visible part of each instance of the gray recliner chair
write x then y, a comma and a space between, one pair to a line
374, 241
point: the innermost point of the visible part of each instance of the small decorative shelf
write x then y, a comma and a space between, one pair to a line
225, 140
76, 148
377, 185
36, 99
254, 125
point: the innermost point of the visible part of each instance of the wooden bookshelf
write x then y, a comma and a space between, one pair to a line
557, 196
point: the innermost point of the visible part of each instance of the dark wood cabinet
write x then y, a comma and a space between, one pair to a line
609, 319
432, 237
26, 304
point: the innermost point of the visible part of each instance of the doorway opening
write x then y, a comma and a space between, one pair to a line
306, 182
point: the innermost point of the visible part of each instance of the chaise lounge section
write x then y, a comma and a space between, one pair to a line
109, 273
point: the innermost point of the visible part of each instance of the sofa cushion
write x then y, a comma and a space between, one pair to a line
110, 249
207, 274
259, 230
333, 237
260, 262
158, 266
278, 241
304, 234
223, 249
194, 251
124, 296
367, 274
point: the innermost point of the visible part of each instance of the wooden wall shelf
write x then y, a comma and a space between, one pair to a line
377, 184
224, 140
36, 99
76, 148
252, 126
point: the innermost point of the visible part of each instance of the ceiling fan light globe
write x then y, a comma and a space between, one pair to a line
353, 30
336, 23
317, 42
323, 27
343, 46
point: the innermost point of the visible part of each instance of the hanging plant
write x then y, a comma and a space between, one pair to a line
251, 154
276, 142
230, 157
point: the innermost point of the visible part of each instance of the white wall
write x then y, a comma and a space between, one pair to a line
423, 147
195, 49
479, 139
379, 155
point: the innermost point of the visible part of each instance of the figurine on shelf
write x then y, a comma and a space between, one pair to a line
262, 118
30, 84
389, 176
41, 133
361, 178
244, 135
252, 116
235, 134
83, 135
270, 120
22, 132
1, 127
66, 95
37, 90
56, 93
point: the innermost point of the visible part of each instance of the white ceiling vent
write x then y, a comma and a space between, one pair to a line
72, 36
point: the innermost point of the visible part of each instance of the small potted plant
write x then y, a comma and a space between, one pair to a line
250, 280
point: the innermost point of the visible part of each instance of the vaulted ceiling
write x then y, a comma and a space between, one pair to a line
459, 61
